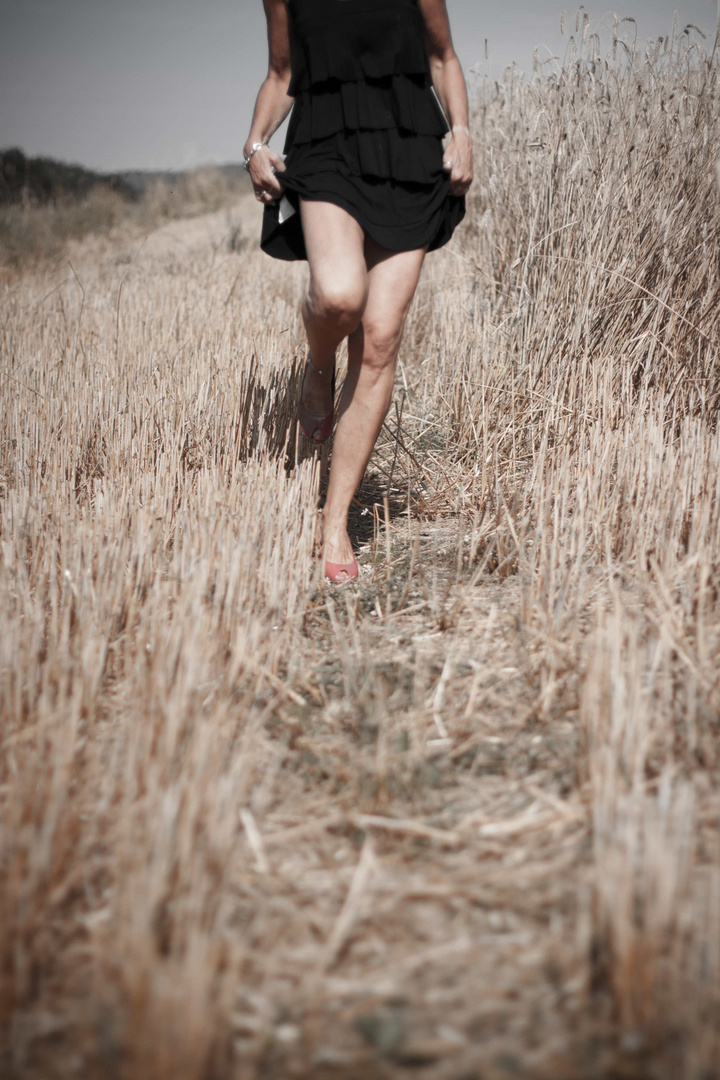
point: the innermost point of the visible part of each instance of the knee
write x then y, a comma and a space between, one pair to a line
337, 302
381, 343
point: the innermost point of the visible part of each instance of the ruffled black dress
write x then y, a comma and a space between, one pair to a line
366, 128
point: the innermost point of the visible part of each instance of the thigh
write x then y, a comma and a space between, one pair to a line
392, 280
334, 242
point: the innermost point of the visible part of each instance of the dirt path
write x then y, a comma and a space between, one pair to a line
441, 832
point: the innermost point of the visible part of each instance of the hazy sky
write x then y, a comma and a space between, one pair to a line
171, 83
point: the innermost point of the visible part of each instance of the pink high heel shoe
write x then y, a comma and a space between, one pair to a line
316, 428
333, 570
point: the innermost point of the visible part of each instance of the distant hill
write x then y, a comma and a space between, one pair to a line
44, 180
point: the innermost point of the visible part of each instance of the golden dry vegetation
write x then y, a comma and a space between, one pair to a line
459, 820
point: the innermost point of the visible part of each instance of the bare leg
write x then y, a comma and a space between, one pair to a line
360, 291
372, 351
336, 294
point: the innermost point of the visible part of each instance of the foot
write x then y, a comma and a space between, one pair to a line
337, 551
316, 392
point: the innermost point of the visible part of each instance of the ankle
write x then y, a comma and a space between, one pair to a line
320, 371
323, 369
334, 525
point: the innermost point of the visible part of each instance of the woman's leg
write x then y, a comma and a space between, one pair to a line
336, 294
373, 346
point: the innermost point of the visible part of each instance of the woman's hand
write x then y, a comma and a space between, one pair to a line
263, 167
458, 161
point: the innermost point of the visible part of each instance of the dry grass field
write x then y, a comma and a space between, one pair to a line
459, 821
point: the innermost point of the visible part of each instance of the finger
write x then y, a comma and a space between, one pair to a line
273, 185
266, 180
459, 185
270, 188
277, 163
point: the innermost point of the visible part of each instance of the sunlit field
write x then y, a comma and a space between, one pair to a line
457, 821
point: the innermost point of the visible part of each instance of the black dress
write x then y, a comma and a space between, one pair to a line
366, 127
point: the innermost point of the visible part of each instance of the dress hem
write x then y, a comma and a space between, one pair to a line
287, 242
